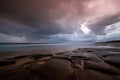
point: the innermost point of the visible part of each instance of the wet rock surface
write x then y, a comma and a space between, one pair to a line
79, 64
6, 62
54, 69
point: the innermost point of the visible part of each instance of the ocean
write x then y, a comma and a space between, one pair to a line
17, 49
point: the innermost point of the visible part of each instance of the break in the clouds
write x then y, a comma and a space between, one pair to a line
58, 20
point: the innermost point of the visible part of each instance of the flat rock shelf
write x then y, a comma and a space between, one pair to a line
79, 64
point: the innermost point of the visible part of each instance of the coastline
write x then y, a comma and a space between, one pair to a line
77, 64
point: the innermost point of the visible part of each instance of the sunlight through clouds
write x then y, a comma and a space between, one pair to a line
85, 29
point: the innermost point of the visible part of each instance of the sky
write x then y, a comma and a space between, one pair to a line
59, 20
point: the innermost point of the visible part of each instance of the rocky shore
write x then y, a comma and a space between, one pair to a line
79, 64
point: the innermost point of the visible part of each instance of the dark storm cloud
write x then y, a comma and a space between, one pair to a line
34, 14
35, 19
100, 24
39, 14
12, 28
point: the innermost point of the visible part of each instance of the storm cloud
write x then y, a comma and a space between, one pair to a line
45, 20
